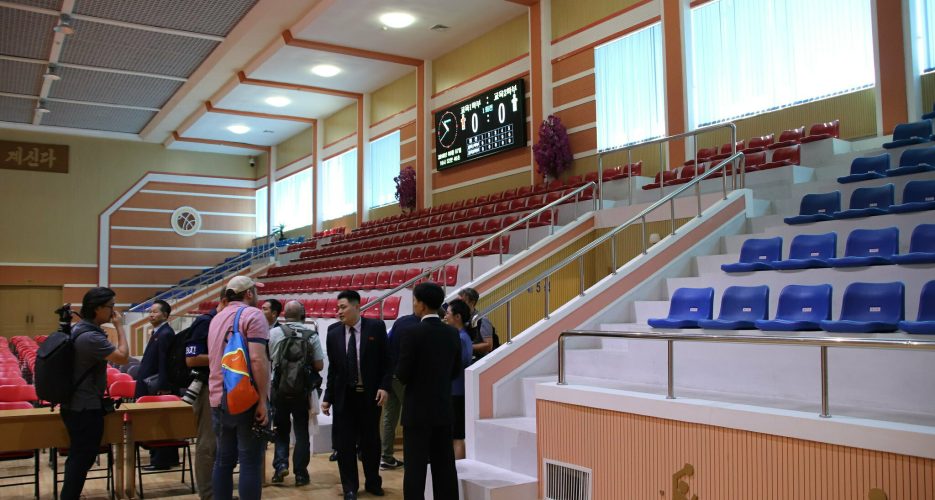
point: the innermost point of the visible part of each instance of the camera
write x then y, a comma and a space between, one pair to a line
64, 318
194, 388
264, 433
252, 161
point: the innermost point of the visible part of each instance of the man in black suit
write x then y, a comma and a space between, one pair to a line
359, 377
429, 359
152, 377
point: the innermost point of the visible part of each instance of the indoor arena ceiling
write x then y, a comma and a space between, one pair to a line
182, 72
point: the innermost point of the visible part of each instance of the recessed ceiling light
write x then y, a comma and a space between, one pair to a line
278, 101
239, 129
397, 19
326, 70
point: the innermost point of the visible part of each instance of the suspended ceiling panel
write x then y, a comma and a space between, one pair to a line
113, 88
13, 109
25, 34
42, 4
304, 104
294, 65
263, 131
211, 17
66, 114
17, 77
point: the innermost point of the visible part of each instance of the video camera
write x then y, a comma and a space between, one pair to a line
64, 318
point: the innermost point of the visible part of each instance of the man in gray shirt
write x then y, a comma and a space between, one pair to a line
287, 405
84, 414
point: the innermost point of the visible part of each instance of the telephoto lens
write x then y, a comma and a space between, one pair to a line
192, 391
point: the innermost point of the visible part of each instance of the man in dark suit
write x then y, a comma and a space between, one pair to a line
359, 376
429, 359
152, 377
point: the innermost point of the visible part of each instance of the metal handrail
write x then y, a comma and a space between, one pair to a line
579, 255
661, 140
470, 250
824, 342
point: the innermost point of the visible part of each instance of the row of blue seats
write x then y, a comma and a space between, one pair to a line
907, 134
865, 202
911, 161
865, 247
865, 308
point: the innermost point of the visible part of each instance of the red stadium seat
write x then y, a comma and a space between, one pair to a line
398, 277
662, 178
758, 144
370, 281
821, 131
417, 254
383, 280
704, 154
431, 252
789, 137
782, 157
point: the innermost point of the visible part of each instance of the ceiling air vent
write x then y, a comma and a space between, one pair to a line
566, 481
440, 28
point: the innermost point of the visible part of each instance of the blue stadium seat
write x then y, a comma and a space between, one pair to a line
756, 255
866, 168
914, 161
869, 247
800, 308
907, 134
917, 196
869, 308
921, 247
930, 116
741, 306
809, 251
869, 201
925, 323
688, 305
816, 207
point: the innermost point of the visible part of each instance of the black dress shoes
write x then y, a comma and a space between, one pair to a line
350, 495
334, 456
376, 491
150, 468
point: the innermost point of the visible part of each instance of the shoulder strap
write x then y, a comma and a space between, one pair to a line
287, 330
246, 343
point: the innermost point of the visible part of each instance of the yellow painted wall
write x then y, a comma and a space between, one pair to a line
928, 92
54, 217
262, 166
341, 124
384, 211
499, 45
394, 97
349, 221
571, 15
481, 188
298, 146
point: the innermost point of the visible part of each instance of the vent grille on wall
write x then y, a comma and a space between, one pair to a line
566, 481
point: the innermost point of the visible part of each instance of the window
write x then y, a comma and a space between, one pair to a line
294, 200
384, 166
629, 89
752, 56
261, 213
926, 23
339, 185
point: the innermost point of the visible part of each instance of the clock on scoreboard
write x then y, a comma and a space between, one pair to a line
483, 125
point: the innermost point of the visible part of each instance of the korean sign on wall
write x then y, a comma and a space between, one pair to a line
34, 157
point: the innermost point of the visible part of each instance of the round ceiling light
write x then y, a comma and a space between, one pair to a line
278, 101
397, 19
239, 129
326, 70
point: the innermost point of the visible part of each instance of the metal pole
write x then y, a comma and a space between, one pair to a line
509, 323
672, 214
561, 359
472, 265
600, 179
527, 234
724, 177
576, 203
824, 383
662, 168
629, 177
698, 196
547, 297
670, 391
613, 255
643, 232
581, 275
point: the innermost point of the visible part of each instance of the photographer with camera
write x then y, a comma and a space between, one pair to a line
297, 360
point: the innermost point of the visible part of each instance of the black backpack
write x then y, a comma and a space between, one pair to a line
177, 371
477, 338
294, 377
55, 364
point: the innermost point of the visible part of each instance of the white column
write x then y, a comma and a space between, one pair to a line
365, 131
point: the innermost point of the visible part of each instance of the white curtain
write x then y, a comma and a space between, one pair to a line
261, 212
629, 89
339, 185
926, 25
751, 56
294, 200
384, 166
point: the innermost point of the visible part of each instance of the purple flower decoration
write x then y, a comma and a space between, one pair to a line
552, 152
406, 188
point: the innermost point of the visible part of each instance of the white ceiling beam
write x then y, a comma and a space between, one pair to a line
146, 27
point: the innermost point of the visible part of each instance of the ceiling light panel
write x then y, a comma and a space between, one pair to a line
326, 70
26, 34
113, 88
143, 51
210, 17
67, 114
278, 101
397, 20
238, 129
18, 77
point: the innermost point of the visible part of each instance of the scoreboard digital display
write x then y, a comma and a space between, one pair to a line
483, 125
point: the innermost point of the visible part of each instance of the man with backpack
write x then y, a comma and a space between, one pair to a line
297, 359
483, 334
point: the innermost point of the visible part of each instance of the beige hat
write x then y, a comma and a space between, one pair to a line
239, 284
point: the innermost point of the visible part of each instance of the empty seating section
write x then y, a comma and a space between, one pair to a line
918, 195
800, 307
914, 161
822, 131
789, 138
866, 168
908, 134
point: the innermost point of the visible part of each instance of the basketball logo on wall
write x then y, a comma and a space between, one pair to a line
186, 221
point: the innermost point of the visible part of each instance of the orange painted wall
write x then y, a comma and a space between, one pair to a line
635, 456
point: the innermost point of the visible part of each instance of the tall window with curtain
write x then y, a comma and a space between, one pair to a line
294, 200
261, 212
339, 185
753, 56
629, 89
925, 16
384, 166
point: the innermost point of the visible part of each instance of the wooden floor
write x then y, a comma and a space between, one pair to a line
324, 475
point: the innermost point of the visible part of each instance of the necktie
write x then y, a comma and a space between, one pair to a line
352, 359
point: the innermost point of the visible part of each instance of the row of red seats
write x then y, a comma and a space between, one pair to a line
383, 280
25, 349
445, 251
448, 232
328, 308
305, 245
787, 138
753, 162
10, 367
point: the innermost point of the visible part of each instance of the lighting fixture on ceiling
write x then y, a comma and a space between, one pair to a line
41, 108
397, 20
326, 70
278, 101
64, 25
51, 73
239, 129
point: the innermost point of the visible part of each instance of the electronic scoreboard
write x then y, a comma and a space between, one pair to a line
483, 125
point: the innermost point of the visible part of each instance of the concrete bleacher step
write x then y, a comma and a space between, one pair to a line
762, 223
711, 264
529, 392
790, 205
508, 443
645, 309
482, 481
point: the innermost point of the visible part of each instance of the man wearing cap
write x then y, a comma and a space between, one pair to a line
236, 441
